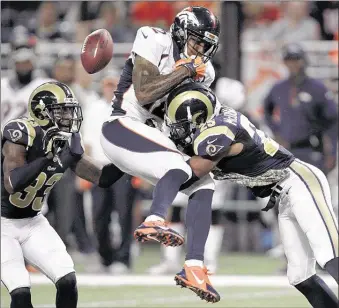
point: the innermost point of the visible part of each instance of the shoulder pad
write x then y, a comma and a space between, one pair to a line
20, 131
150, 43
157, 34
212, 140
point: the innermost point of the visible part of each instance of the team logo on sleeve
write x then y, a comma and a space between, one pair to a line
213, 149
15, 134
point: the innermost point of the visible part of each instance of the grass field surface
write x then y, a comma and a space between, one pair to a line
243, 280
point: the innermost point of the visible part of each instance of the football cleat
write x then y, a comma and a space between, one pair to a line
196, 279
158, 231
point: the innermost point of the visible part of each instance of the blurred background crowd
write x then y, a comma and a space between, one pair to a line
42, 41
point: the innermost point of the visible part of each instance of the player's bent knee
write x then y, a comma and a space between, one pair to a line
63, 265
297, 275
67, 283
67, 291
21, 298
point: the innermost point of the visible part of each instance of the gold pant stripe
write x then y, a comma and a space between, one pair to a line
323, 192
315, 189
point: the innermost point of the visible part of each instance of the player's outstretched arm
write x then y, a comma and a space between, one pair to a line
17, 173
149, 85
88, 170
201, 166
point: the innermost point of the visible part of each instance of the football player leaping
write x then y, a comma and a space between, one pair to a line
232, 148
159, 62
36, 151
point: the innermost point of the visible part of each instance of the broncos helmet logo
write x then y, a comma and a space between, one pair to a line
186, 16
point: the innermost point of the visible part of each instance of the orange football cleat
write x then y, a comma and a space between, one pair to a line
196, 279
158, 231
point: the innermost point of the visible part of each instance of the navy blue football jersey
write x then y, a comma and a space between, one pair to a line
29, 201
262, 161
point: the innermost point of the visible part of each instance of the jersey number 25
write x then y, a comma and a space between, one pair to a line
270, 146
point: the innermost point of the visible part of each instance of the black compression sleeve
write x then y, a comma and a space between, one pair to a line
109, 175
22, 177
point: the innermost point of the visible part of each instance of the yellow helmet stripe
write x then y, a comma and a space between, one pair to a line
181, 98
58, 89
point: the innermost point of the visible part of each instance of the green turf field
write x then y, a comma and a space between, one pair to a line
171, 296
153, 294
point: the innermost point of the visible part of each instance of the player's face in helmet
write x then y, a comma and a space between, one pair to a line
54, 104
64, 116
196, 31
195, 46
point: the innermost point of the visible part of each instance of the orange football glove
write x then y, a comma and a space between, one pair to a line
196, 68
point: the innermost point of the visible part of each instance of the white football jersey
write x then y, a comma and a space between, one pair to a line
14, 101
156, 46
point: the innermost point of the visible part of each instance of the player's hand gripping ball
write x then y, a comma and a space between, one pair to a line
97, 51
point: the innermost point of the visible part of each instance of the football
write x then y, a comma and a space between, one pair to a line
96, 51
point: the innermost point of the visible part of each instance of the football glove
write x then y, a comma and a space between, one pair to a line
53, 141
196, 67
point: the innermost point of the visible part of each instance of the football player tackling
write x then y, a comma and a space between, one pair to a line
159, 62
232, 148
36, 151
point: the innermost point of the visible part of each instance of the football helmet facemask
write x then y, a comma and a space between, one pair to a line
195, 25
187, 107
54, 104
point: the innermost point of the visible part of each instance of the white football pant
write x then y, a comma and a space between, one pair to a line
145, 152
307, 224
34, 240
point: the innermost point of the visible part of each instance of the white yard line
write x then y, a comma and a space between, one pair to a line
167, 300
142, 280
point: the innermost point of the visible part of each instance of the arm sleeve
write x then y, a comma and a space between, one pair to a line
20, 132
213, 142
147, 44
24, 176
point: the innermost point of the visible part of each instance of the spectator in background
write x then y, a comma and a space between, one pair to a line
157, 13
111, 18
47, 27
302, 114
160, 13
23, 76
83, 86
120, 197
16, 13
258, 17
64, 69
296, 24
